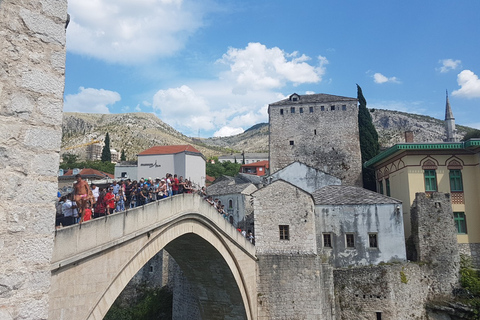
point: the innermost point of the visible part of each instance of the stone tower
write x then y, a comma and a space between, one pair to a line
319, 130
449, 122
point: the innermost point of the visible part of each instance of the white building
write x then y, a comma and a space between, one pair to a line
249, 157
183, 160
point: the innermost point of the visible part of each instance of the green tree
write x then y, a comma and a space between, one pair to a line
472, 134
69, 159
106, 155
123, 157
369, 146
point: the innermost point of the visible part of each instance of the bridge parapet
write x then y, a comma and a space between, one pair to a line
80, 241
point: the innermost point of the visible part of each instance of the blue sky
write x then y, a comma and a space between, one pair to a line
210, 67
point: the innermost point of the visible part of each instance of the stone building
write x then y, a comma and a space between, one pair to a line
32, 77
319, 130
355, 226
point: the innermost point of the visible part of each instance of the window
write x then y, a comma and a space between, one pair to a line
230, 204
430, 180
301, 110
327, 240
379, 315
332, 108
124, 174
311, 109
387, 186
281, 112
460, 222
294, 99
284, 234
292, 110
372, 240
291, 142
456, 184
344, 107
350, 240
315, 131
322, 108
380, 186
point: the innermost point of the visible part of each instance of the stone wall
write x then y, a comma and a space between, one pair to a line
294, 287
326, 140
472, 250
32, 71
397, 291
435, 240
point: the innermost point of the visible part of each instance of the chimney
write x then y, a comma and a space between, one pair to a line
408, 136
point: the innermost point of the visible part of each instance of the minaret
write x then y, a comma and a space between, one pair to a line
449, 123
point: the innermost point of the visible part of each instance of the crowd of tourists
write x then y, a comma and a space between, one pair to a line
217, 204
89, 201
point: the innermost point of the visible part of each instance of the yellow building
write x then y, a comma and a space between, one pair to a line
450, 167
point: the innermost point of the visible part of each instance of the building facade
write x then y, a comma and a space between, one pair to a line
239, 157
259, 168
319, 130
450, 167
183, 160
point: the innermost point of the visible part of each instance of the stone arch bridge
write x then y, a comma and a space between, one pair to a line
94, 261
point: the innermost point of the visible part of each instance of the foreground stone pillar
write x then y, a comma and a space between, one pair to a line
32, 77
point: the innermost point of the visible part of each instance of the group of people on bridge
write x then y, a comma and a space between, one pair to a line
90, 201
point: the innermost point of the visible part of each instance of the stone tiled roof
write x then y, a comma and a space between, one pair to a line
313, 98
168, 150
227, 185
338, 195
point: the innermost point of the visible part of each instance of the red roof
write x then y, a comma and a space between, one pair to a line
263, 163
168, 150
209, 178
90, 172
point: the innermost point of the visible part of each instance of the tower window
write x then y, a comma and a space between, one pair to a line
291, 142
281, 111
372, 240
344, 107
311, 109
292, 110
284, 232
294, 98
350, 240
301, 110
315, 131
332, 108
327, 240
322, 108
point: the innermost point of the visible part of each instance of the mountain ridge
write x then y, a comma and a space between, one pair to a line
135, 132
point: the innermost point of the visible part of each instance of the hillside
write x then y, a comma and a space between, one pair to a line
136, 132
133, 132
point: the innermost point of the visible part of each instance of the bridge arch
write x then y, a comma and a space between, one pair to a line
215, 258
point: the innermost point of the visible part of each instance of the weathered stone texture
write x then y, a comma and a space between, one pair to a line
435, 240
294, 287
472, 250
326, 140
32, 41
396, 291
281, 203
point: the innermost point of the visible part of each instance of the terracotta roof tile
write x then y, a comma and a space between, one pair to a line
257, 164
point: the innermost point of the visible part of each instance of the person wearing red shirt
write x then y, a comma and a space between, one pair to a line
175, 183
110, 200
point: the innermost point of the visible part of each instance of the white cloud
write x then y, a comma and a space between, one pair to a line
125, 31
91, 100
448, 64
227, 131
380, 78
309, 92
469, 85
257, 68
182, 107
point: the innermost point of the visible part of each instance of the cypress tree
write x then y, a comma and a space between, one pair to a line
123, 157
106, 155
369, 146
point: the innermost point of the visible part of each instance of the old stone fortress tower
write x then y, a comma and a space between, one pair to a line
325, 247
